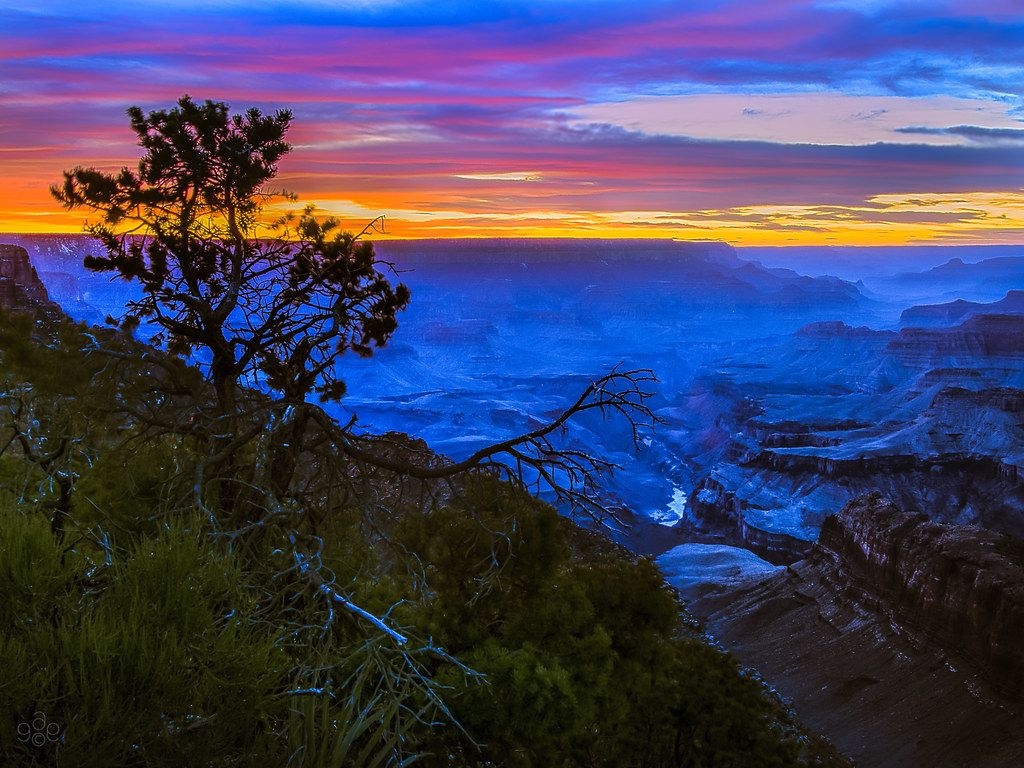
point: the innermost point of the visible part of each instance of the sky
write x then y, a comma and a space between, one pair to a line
789, 122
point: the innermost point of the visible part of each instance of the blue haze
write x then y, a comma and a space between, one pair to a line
503, 334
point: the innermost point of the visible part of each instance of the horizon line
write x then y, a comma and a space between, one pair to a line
631, 237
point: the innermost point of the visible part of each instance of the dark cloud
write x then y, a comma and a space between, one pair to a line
974, 133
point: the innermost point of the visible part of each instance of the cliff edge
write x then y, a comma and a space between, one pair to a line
898, 638
20, 286
960, 586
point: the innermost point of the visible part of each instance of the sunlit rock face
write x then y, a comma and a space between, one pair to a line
20, 287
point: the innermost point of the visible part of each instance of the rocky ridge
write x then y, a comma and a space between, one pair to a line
962, 587
20, 286
953, 312
897, 637
984, 336
987, 280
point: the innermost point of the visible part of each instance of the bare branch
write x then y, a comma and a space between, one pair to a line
570, 474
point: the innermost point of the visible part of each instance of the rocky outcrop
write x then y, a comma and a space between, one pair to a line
866, 467
979, 337
1006, 399
836, 329
828, 466
20, 286
954, 376
963, 587
763, 491
719, 511
898, 638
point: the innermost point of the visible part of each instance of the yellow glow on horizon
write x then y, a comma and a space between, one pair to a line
510, 176
907, 219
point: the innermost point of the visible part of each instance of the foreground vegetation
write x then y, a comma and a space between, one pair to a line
146, 638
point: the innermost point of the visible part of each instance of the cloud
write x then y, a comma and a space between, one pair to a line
510, 176
973, 133
873, 114
802, 118
449, 107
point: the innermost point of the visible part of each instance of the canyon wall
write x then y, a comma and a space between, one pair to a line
20, 286
961, 586
898, 638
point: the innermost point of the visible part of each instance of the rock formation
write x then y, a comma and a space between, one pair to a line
962, 587
953, 312
20, 286
980, 336
898, 638
719, 510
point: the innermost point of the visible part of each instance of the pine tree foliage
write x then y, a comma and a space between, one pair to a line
185, 225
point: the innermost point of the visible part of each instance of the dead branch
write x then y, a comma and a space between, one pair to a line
571, 474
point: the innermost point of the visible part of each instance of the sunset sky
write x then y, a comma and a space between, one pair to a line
752, 121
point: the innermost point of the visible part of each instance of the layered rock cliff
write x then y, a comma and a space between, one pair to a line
718, 509
897, 637
961, 586
20, 286
933, 418
775, 502
980, 336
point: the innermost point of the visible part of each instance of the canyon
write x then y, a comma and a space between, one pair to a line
836, 481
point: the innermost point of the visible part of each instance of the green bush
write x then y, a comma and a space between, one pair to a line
165, 665
133, 489
587, 662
